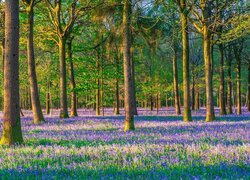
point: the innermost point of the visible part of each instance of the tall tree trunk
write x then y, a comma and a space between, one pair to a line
2, 48
73, 110
222, 89
63, 82
210, 116
159, 100
176, 87
102, 97
35, 100
133, 75
193, 92
128, 95
97, 95
27, 97
185, 58
12, 133
229, 83
248, 89
57, 97
151, 102
48, 98
167, 101
238, 78
117, 102
197, 99
157, 103
102, 83
2, 95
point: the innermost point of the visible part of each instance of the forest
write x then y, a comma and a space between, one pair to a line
125, 89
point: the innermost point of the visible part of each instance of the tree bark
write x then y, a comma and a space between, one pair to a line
133, 75
197, 100
97, 95
102, 84
186, 85
238, 78
222, 86
12, 133
48, 98
128, 95
73, 110
176, 87
117, 95
2, 48
63, 82
35, 99
229, 83
248, 89
151, 102
157, 103
193, 92
210, 116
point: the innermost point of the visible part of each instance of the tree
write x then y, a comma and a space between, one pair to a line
248, 89
12, 133
222, 103
174, 47
184, 11
128, 98
36, 107
206, 26
73, 111
238, 48
229, 81
62, 32
132, 64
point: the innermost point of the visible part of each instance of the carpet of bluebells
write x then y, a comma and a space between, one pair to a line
161, 147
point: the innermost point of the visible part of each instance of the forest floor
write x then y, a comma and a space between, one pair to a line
161, 147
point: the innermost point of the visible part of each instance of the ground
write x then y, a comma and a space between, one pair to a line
161, 147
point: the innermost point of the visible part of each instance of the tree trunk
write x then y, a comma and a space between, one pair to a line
176, 87
2, 95
2, 48
157, 103
73, 110
48, 98
248, 89
151, 102
159, 100
35, 100
117, 102
210, 116
222, 103
186, 86
128, 88
12, 133
238, 78
167, 101
27, 97
102, 85
197, 101
133, 75
97, 95
229, 83
193, 92
63, 82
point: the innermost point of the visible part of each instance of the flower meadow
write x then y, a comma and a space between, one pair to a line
161, 147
